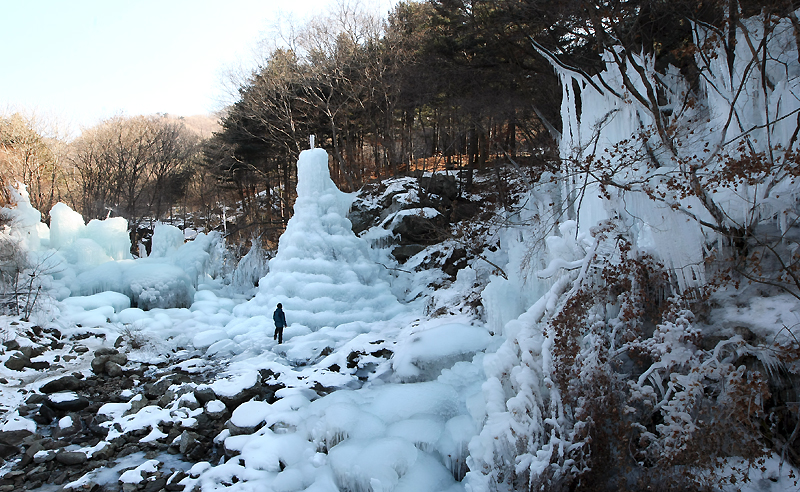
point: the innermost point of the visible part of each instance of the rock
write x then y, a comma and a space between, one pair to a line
215, 409
155, 391
14, 437
414, 228
40, 365
464, 209
187, 442
64, 383
36, 399
137, 403
7, 450
404, 252
71, 458
18, 361
166, 399
455, 262
440, 184
24, 410
67, 402
80, 349
105, 351
73, 428
104, 453
44, 456
155, 485
99, 362
45, 415
238, 431
113, 369
11, 344
173, 485
204, 395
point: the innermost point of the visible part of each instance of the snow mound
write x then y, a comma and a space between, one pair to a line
423, 355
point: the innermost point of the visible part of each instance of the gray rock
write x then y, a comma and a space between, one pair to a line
204, 395
73, 404
238, 431
188, 441
421, 230
36, 399
14, 437
99, 362
64, 383
40, 365
216, 413
440, 184
45, 415
105, 351
104, 453
47, 456
11, 344
70, 430
113, 369
155, 485
71, 458
80, 349
403, 253
18, 361
7, 450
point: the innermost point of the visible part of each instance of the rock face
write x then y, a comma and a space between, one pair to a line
418, 211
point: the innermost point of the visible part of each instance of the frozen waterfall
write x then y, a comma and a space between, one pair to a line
322, 273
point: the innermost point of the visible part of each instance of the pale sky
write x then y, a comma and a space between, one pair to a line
86, 60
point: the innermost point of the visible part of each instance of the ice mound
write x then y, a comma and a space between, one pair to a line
422, 355
322, 273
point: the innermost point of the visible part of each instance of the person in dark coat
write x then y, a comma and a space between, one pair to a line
280, 322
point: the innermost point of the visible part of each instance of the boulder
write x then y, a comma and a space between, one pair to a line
71, 458
64, 383
187, 442
67, 402
45, 415
104, 453
14, 437
40, 365
99, 361
18, 361
112, 369
440, 184
215, 409
11, 344
204, 395
7, 450
404, 252
414, 228
155, 485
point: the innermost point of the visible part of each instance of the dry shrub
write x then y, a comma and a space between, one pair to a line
651, 410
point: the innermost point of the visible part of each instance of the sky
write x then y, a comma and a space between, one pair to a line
82, 61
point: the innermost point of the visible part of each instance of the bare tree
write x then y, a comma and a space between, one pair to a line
136, 167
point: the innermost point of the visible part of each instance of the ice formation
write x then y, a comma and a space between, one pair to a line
322, 273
